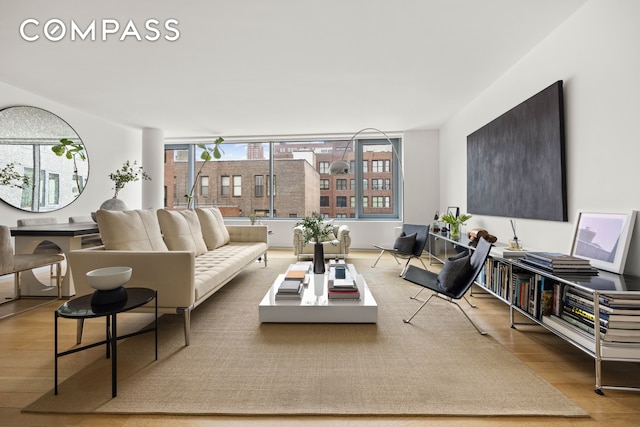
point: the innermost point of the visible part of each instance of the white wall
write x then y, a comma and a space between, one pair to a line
595, 53
108, 146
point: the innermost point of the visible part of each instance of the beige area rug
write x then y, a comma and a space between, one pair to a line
439, 365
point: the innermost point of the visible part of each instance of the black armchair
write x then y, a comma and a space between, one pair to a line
454, 280
408, 245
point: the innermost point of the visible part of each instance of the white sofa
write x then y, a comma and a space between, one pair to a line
185, 255
336, 245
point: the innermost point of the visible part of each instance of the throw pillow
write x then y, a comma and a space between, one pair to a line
214, 232
181, 230
134, 230
455, 274
405, 243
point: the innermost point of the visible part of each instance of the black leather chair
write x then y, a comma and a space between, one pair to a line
407, 246
454, 280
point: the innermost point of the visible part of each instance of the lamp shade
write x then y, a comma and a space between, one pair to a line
339, 167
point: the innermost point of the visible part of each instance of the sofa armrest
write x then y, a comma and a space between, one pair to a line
344, 237
248, 233
171, 273
298, 240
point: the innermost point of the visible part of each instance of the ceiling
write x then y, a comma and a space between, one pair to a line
267, 67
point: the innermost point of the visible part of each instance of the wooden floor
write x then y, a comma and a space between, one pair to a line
26, 372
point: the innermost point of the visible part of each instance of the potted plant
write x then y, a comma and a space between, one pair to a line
129, 172
455, 222
208, 152
315, 229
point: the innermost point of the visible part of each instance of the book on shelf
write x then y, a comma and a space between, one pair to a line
586, 340
614, 324
563, 270
506, 252
557, 258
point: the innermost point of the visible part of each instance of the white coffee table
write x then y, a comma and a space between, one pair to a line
319, 309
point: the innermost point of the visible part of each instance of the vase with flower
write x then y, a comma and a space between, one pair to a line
455, 222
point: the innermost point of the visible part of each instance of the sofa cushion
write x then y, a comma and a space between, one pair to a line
135, 230
214, 232
181, 230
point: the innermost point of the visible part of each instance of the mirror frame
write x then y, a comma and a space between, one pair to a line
24, 126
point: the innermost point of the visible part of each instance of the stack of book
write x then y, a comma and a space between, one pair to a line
294, 280
290, 289
342, 288
619, 317
558, 263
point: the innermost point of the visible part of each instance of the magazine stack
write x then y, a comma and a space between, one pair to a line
558, 263
342, 285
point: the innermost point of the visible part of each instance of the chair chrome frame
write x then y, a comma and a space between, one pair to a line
422, 234
429, 280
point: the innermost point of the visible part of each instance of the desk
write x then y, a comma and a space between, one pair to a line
80, 308
68, 237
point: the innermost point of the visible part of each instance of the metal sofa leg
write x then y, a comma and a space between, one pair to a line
186, 313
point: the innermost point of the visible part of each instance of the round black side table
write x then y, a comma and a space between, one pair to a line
80, 308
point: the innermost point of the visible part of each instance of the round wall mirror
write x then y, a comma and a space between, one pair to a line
43, 163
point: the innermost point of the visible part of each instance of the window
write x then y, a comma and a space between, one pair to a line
380, 202
204, 186
219, 181
225, 183
237, 186
269, 186
53, 190
341, 215
259, 185
323, 167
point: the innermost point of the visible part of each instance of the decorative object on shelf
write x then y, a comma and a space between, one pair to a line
475, 234
315, 229
514, 243
108, 284
436, 224
455, 222
208, 152
127, 173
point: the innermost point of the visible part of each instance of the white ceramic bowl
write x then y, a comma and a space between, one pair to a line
108, 278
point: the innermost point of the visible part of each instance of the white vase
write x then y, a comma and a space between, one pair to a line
318, 284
